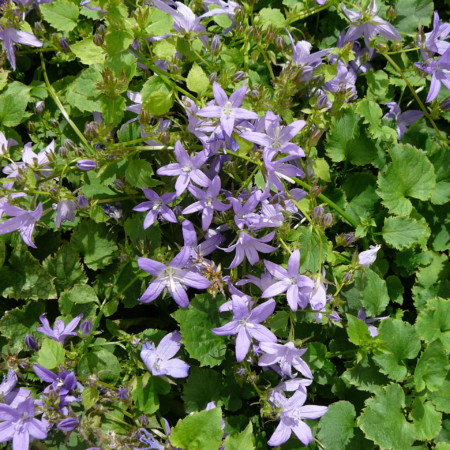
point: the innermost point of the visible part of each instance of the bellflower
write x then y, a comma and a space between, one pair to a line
198, 251
244, 214
246, 324
175, 277
435, 41
61, 331
276, 395
6, 143
298, 287
157, 206
11, 36
227, 109
291, 417
403, 120
208, 202
278, 170
368, 257
18, 425
22, 221
65, 211
187, 169
343, 82
160, 360
62, 383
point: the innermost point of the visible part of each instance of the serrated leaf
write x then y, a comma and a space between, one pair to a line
94, 242
426, 420
146, 393
410, 174
60, 14
412, 14
357, 331
71, 300
89, 397
383, 421
195, 323
432, 368
87, 52
404, 232
366, 377
337, 425
117, 40
51, 354
198, 431
400, 342
441, 397
370, 111
160, 23
271, 17
196, 80
360, 193
65, 266
240, 441
434, 322
82, 93
13, 102
202, 386
112, 109
139, 173
102, 363
25, 278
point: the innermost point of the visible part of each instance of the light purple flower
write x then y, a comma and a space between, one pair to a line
11, 36
403, 120
62, 383
160, 360
175, 277
65, 211
208, 202
368, 257
22, 221
68, 424
298, 287
187, 169
279, 170
435, 41
286, 356
343, 82
244, 214
9, 394
18, 425
86, 164
61, 331
227, 109
157, 206
291, 417
362, 316
198, 251
246, 324
6, 143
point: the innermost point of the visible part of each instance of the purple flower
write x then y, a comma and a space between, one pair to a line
403, 120
9, 394
62, 383
86, 164
86, 328
68, 424
198, 251
147, 438
187, 169
249, 246
362, 316
11, 36
279, 170
368, 257
298, 287
22, 221
61, 331
157, 206
244, 215
246, 324
208, 202
291, 417
30, 342
18, 425
343, 82
174, 277
227, 109
435, 41
160, 360
286, 356
6, 143
65, 211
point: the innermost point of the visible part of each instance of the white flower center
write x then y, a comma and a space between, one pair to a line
227, 109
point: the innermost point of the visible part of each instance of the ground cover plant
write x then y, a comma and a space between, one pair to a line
224, 224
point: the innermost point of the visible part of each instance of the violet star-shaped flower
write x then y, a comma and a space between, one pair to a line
246, 324
435, 41
244, 214
198, 251
227, 109
208, 202
298, 287
22, 221
65, 211
403, 120
62, 383
175, 277
293, 411
61, 331
160, 360
18, 425
187, 169
156, 206
280, 170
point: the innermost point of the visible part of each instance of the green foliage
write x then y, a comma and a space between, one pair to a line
13, 102
404, 232
411, 14
434, 322
87, 52
102, 362
51, 354
196, 80
139, 173
240, 441
431, 368
203, 386
146, 393
61, 14
271, 17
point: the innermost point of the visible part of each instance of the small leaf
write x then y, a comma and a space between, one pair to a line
60, 14
196, 80
89, 397
271, 17
434, 322
427, 421
102, 363
13, 102
139, 173
87, 52
51, 354
202, 386
357, 331
146, 393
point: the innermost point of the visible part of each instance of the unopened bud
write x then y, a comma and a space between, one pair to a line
143, 419
86, 164
238, 76
445, 105
53, 123
82, 202
318, 212
39, 107
119, 184
30, 342
99, 39
86, 328
215, 44
327, 220
391, 13
91, 130
65, 47
213, 77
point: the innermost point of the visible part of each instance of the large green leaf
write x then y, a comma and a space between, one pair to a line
102, 363
411, 14
434, 322
240, 441
427, 421
431, 368
146, 391
13, 102
51, 354
202, 386
61, 14
404, 232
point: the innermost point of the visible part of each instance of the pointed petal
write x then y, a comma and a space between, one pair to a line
195, 280
303, 432
177, 368
281, 434
262, 312
179, 295
227, 329
151, 266
275, 289
242, 344
169, 345
219, 94
152, 292
44, 374
261, 333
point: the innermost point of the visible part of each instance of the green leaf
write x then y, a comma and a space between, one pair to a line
431, 368
95, 243
202, 386
411, 14
139, 173
117, 40
134, 229
395, 289
400, 342
271, 17
160, 23
426, 420
241, 441
359, 190
102, 363
18, 322
82, 93
357, 331
89, 397
366, 377
196, 80
404, 232
198, 431
25, 278
80, 294
87, 52
336, 426
378, 86
434, 322
195, 323
51, 354
371, 113
441, 162
65, 267
383, 421
441, 397
112, 109
146, 393
60, 14
409, 175
13, 102
156, 96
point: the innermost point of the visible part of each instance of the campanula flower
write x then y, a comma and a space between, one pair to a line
368, 257
403, 120
61, 331
157, 206
11, 36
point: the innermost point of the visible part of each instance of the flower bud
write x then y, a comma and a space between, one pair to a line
86, 328
98, 39
63, 152
143, 419
86, 164
68, 424
215, 44
30, 342
39, 107
391, 13
53, 123
318, 212
445, 105
238, 76
82, 202
64, 45
213, 77
91, 130
327, 220
119, 184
